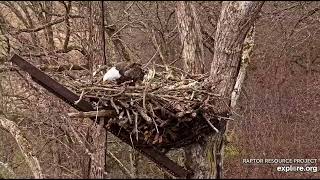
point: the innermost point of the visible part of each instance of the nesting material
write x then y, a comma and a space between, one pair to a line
168, 109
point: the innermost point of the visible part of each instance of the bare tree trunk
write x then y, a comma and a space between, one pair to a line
206, 159
94, 161
191, 37
192, 54
245, 60
24, 145
235, 21
90, 38
97, 166
49, 30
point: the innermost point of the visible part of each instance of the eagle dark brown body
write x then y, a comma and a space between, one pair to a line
130, 72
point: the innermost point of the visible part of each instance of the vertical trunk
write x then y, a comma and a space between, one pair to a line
191, 38
90, 38
103, 37
245, 60
235, 21
206, 159
97, 165
48, 17
86, 160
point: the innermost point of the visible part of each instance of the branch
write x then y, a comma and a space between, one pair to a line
115, 36
119, 163
67, 16
60, 68
16, 12
69, 48
101, 113
208, 41
24, 146
65, 67
57, 21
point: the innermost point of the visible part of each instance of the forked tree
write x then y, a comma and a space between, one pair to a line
236, 19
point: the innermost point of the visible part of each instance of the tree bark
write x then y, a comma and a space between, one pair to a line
97, 163
190, 37
235, 21
245, 60
24, 145
206, 158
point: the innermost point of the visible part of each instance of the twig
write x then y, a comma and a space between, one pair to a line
144, 115
39, 28
155, 124
214, 128
150, 60
119, 163
153, 115
144, 97
129, 116
114, 95
136, 125
226, 118
125, 105
114, 105
101, 113
80, 98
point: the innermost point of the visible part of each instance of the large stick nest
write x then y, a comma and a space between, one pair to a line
168, 109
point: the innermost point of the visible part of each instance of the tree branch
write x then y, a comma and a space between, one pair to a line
120, 164
24, 146
101, 113
39, 28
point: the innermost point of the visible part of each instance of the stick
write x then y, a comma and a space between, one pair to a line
119, 163
114, 105
80, 98
129, 116
136, 125
144, 115
214, 128
101, 113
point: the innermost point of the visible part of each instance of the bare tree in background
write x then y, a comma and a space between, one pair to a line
282, 82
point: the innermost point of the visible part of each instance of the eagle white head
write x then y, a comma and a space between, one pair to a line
112, 74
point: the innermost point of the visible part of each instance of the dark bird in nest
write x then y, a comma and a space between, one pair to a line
125, 72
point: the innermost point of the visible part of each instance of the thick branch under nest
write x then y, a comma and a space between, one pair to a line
167, 109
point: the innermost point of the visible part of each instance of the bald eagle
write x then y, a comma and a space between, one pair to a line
124, 72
